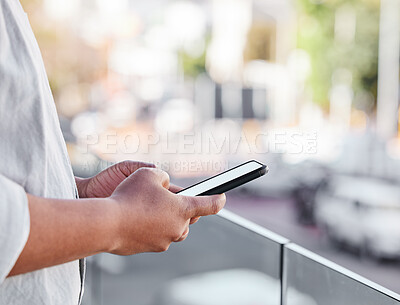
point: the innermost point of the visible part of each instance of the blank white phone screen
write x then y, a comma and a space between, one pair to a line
221, 179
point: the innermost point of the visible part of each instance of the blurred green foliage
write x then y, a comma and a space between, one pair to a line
192, 65
328, 53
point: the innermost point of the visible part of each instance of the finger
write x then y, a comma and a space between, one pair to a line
128, 167
194, 220
204, 205
156, 174
174, 188
184, 235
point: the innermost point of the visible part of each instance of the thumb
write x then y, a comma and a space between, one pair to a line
204, 205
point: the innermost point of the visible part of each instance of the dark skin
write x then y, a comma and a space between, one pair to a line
128, 208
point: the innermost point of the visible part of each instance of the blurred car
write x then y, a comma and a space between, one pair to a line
361, 213
366, 154
285, 180
309, 176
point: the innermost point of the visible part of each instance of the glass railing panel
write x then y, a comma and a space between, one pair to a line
225, 260
312, 280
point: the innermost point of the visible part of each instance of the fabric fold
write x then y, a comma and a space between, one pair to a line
14, 224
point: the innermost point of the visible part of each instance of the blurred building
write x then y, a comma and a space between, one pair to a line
131, 67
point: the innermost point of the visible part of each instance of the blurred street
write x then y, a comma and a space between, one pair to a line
279, 217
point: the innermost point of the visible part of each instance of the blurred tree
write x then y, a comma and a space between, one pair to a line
340, 34
194, 64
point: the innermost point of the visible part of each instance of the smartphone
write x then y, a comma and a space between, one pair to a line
227, 180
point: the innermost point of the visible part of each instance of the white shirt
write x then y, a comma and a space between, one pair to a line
33, 159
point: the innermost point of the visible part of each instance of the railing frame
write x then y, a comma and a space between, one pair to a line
285, 245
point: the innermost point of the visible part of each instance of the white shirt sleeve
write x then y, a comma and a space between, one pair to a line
14, 224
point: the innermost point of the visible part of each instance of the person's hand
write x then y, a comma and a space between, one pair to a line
103, 184
150, 216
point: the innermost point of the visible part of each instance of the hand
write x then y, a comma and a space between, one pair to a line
151, 217
141, 215
103, 184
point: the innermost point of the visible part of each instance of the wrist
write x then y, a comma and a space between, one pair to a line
113, 218
81, 184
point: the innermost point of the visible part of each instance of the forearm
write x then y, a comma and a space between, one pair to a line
66, 230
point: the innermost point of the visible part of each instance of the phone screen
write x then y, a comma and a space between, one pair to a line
223, 178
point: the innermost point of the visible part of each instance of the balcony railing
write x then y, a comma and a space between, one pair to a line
228, 260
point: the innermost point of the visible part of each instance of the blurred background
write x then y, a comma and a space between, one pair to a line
309, 87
